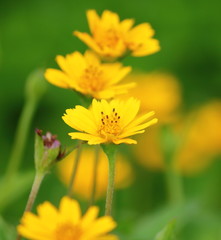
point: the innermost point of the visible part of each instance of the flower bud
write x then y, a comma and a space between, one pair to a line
47, 150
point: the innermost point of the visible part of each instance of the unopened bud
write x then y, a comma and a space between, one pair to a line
47, 150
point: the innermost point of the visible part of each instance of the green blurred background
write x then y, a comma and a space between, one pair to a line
32, 33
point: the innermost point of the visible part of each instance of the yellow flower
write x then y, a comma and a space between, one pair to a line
202, 140
159, 91
66, 223
87, 75
84, 186
200, 135
112, 38
107, 122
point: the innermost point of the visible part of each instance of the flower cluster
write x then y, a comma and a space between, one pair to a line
96, 75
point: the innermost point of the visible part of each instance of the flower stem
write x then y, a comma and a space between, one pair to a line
94, 183
175, 186
110, 151
74, 171
170, 143
35, 88
20, 138
18, 148
34, 191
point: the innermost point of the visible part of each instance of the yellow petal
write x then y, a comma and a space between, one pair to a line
80, 119
92, 58
140, 119
140, 32
93, 19
129, 111
57, 78
92, 140
108, 237
124, 140
149, 47
69, 210
101, 226
88, 40
109, 18
89, 216
126, 24
47, 212
119, 75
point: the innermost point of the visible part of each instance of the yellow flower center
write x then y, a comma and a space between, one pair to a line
108, 38
68, 231
92, 79
110, 124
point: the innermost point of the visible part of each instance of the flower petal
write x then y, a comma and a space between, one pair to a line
57, 78
125, 140
93, 20
69, 210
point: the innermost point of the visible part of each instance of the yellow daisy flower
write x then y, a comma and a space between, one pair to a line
107, 122
66, 223
83, 187
112, 38
200, 135
87, 75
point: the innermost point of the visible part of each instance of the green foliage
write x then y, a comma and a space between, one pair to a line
7, 232
20, 184
167, 233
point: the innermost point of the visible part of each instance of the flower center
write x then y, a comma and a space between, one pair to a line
68, 231
109, 38
92, 79
110, 126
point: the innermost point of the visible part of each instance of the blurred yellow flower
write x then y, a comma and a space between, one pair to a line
202, 139
83, 186
107, 122
112, 38
66, 223
159, 91
200, 136
87, 75
150, 157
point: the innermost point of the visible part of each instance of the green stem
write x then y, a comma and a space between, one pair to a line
175, 186
32, 196
18, 147
74, 171
21, 138
110, 151
170, 144
94, 183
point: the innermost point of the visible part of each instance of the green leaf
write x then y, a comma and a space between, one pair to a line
147, 227
7, 232
167, 233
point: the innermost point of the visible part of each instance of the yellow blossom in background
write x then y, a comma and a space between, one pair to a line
112, 38
148, 152
200, 137
159, 91
107, 122
66, 223
202, 140
87, 75
83, 186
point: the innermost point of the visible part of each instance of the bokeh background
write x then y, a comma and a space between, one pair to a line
32, 33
